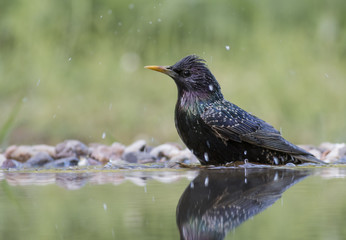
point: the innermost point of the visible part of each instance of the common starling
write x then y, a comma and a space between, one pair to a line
219, 132
234, 196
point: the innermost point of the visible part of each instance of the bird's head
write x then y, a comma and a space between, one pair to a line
191, 75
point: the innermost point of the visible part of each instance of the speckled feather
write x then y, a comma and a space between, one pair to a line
233, 123
218, 131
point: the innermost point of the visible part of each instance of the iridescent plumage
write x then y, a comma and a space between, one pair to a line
218, 131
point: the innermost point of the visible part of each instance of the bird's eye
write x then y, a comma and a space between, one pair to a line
186, 73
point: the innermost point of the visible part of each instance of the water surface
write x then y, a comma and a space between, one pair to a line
235, 203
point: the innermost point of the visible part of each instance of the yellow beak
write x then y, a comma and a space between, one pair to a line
158, 69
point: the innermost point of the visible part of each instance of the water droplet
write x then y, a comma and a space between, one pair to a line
228, 47
245, 152
54, 116
153, 199
326, 75
103, 135
24, 99
110, 106
105, 207
246, 160
110, 12
159, 20
211, 87
150, 22
208, 144
206, 182
192, 185
120, 24
69, 59
131, 6
276, 160
206, 157
101, 17
145, 188
38, 82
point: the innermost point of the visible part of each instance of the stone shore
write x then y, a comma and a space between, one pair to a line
73, 153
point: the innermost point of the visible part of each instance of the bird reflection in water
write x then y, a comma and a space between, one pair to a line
217, 201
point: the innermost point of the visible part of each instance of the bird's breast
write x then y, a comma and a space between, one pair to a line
188, 123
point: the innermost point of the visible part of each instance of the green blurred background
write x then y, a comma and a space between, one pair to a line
74, 69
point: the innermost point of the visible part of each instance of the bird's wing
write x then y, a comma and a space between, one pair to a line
230, 122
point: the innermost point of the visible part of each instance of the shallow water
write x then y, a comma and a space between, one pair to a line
235, 203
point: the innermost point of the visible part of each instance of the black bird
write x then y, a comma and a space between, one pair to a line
219, 132
234, 196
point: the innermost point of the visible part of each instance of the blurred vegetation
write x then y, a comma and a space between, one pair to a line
80, 65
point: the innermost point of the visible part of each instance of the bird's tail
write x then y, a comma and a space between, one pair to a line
309, 158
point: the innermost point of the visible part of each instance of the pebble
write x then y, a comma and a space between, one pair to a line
39, 160
63, 163
337, 152
24, 153
93, 162
2, 159
10, 163
73, 153
83, 162
104, 153
138, 157
165, 151
138, 146
185, 156
116, 163
342, 160
326, 146
316, 153
71, 148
